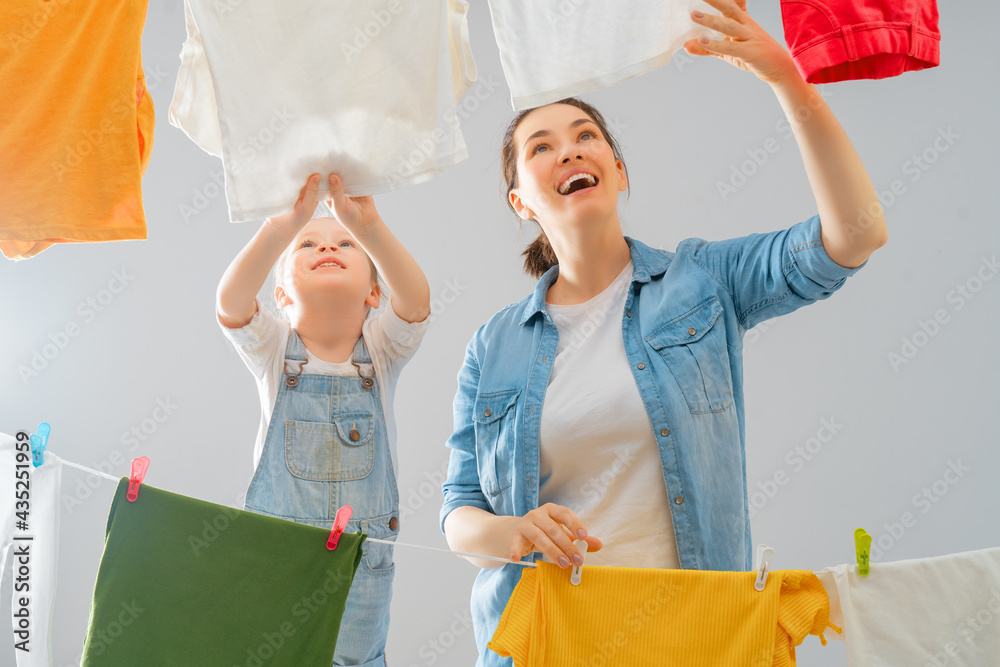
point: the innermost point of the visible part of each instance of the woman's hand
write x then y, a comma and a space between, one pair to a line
354, 213
747, 45
544, 529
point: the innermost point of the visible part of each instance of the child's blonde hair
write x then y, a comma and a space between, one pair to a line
322, 211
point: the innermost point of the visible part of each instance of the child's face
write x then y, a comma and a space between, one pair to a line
325, 258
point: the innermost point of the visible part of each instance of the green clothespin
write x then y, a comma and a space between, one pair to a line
863, 550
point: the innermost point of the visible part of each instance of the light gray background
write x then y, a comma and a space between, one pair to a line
684, 128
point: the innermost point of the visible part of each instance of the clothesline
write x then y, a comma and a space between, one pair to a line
370, 539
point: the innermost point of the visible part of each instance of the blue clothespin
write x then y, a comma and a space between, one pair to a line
38, 442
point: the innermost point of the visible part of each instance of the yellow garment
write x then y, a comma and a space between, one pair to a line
77, 127
635, 616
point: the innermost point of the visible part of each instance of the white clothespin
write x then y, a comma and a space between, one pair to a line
765, 556
574, 578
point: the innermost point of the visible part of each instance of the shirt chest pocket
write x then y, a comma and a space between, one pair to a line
694, 348
337, 452
494, 424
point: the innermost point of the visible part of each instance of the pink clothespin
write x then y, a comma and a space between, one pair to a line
139, 468
339, 524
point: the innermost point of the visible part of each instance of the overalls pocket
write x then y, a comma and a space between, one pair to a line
325, 452
494, 417
694, 348
378, 557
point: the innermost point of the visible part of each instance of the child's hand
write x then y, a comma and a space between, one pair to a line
354, 213
290, 223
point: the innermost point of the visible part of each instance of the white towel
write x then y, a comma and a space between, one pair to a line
553, 49
32, 546
365, 89
926, 612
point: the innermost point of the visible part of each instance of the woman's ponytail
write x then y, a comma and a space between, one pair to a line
539, 256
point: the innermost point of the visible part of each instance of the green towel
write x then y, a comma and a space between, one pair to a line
187, 582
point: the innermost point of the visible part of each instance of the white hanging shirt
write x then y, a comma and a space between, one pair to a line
925, 611
553, 49
281, 90
598, 455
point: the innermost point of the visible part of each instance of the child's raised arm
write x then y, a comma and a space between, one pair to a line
236, 299
410, 293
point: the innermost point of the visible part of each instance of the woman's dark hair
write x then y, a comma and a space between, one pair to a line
539, 256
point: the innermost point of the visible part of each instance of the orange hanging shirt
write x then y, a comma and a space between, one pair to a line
77, 126
637, 616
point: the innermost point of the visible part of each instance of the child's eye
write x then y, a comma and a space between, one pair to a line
346, 243
306, 244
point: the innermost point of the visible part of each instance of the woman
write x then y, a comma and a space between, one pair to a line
608, 405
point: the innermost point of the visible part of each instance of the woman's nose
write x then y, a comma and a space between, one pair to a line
568, 158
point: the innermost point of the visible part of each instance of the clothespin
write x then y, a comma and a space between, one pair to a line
339, 524
139, 468
38, 443
574, 578
765, 556
862, 550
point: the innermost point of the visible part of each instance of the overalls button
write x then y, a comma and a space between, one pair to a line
355, 436
291, 380
367, 383
393, 523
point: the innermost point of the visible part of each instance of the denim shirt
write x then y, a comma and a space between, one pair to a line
683, 324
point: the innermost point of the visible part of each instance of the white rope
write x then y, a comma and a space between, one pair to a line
457, 553
370, 539
90, 470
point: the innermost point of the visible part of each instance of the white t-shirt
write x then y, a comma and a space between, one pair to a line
598, 454
390, 340
552, 49
280, 90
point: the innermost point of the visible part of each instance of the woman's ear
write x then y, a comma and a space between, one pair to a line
622, 179
522, 209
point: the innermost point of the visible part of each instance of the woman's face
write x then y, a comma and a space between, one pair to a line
566, 169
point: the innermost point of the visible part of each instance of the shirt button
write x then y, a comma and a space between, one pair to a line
678, 500
692, 331
665, 431
628, 313
641, 366
487, 413
393, 523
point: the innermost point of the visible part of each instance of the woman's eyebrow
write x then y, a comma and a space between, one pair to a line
543, 133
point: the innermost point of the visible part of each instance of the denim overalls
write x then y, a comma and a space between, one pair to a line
326, 447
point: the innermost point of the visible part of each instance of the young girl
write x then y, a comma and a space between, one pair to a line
326, 375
